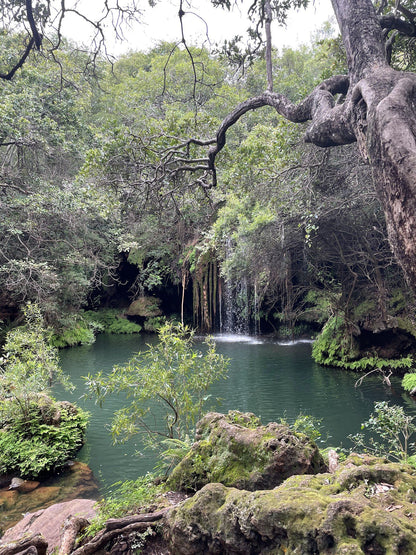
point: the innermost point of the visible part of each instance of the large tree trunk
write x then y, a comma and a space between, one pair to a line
382, 116
378, 111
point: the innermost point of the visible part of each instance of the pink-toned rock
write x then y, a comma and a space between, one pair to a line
50, 522
75, 482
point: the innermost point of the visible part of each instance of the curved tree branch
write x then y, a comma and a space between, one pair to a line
392, 22
327, 128
8, 76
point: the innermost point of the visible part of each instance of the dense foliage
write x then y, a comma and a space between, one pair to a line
99, 206
42, 440
37, 434
392, 433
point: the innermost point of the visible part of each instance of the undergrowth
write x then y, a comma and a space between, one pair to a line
40, 441
335, 346
130, 497
111, 321
84, 329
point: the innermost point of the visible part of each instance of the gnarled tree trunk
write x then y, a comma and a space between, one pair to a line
378, 110
381, 111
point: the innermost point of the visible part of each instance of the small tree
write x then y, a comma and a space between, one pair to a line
167, 385
29, 364
393, 431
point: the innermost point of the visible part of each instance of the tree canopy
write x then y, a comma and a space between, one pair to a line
107, 186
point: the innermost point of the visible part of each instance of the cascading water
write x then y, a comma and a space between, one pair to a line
235, 305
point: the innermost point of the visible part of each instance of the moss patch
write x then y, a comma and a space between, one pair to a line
236, 450
365, 507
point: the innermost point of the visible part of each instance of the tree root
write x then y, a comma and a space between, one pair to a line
72, 528
32, 545
117, 526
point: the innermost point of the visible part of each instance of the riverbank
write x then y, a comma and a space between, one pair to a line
75, 480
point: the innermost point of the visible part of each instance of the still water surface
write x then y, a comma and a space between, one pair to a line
270, 378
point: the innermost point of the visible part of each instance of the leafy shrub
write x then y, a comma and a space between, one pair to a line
392, 431
318, 306
79, 334
155, 323
30, 363
334, 345
110, 321
172, 375
41, 441
409, 381
174, 451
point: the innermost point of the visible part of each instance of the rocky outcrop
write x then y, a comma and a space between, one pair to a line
236, 450
49, 523
146, 307
366, 507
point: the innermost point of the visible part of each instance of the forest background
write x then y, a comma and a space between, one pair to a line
101, 207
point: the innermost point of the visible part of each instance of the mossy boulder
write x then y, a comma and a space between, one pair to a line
145, 307
236, 450
366, 506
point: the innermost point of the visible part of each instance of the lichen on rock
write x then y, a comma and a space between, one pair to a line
236, 450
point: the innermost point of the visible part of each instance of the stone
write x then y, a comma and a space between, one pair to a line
16, 483
75, 481
8, 499
50, 522
27, 486
360, 509
147, 307
236, 450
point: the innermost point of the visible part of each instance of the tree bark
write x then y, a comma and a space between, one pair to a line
32, 544
382, 115
378, 111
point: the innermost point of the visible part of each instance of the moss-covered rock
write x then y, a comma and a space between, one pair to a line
236, 450
147, 307
367, 506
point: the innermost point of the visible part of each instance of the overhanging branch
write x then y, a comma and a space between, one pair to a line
327, 128
8, 76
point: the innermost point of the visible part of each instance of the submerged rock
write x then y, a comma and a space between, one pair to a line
367, 506
76, 481
236, 450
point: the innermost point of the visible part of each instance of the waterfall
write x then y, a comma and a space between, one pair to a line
235, 309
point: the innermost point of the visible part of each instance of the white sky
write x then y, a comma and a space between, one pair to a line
162, 23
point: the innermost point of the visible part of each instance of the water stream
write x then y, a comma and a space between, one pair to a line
272, 379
